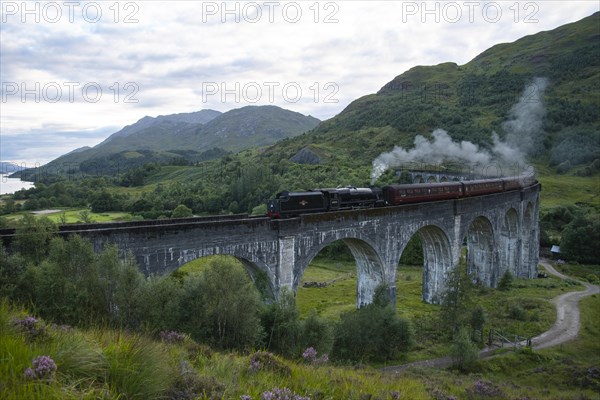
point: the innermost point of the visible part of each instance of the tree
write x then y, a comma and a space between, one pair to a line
130, 284
477, 321
85, 216
505, 281
221, 306
181, 211
413, 252
12, 270
32, 237
464, 352
104, 201
581, 237
456, 300
317, 333
373, 332
282, 325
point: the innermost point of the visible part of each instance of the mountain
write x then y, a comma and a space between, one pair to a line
471, 101
195, 118
183, 138
9, 168
251, 126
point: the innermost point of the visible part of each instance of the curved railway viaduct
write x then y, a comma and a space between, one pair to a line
500, 231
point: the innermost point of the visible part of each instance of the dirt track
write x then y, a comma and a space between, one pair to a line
566, 326
564, 329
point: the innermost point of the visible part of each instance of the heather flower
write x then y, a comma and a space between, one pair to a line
171, 337
43, 367
31, 326
28, 322
485, 388
323, 359
245, 397
254, 365
29, 374
282, 394
264, 361
310, 354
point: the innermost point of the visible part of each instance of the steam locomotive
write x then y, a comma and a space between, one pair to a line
288, 204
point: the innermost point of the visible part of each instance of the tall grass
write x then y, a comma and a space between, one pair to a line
137, 367
96, 364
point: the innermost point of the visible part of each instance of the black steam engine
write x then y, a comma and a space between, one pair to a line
291, 204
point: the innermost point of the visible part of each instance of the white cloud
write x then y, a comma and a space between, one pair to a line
174, 48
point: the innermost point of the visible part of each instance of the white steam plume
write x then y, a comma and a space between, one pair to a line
523, 137
524, 127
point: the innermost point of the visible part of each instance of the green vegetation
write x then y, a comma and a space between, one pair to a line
372, 333
105, 363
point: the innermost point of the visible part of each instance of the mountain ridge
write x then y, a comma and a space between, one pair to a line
186, 137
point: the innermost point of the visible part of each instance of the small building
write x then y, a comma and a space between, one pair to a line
555, 250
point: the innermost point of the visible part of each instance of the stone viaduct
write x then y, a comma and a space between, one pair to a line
500, 232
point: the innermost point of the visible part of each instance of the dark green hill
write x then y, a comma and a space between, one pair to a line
472, 100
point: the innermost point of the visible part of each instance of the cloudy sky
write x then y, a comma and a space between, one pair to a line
73, 72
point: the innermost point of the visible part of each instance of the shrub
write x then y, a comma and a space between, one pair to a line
281, 323
181, 211
581, 237
374, 332
505, 281
316, 332
464, 352
517, 312
221, 306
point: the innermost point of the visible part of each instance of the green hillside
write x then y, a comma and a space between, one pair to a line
472, 100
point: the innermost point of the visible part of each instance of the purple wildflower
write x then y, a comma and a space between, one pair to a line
310, 354
245, 397
43, 367
29, 374
323, 359
29, 322
282, 394
171, 337
31, 326
254, 365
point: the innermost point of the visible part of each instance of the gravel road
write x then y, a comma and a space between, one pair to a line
564, 329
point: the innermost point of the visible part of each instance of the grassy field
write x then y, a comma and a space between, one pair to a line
71, 216
567, 189
524, 310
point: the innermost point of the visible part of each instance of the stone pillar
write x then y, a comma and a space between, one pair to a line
285, 269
